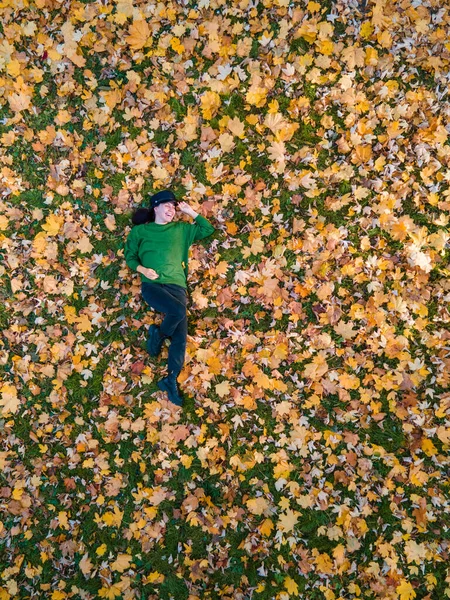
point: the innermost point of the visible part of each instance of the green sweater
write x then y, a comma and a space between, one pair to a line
165, 248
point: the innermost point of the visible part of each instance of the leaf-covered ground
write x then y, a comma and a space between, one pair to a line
311, 458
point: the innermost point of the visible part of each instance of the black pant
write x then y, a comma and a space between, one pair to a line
170, 299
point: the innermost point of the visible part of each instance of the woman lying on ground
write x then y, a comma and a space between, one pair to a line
158, 247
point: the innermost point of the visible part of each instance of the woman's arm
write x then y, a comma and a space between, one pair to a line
202, 228
131, 252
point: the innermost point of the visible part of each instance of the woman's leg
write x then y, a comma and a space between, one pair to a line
159, 297
177, 348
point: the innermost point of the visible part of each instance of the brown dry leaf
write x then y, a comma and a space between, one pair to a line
86, 565
122, 562
19, 101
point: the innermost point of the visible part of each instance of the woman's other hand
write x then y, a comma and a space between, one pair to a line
186, 209
147, 272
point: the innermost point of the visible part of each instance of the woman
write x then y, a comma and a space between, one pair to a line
158, 249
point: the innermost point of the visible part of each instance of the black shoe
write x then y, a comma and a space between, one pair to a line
169, 384
154, 341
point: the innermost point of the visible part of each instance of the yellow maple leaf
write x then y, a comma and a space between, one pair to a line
110, 592
405, 591
266, 527
154, 576
138, 35
349, 381
363, 153
53, 224
160, 173
84, 323
210, 104
63, 519
274, 121
263, 380
71, 314
113, 518
366, 30
291, 586
257, 246
112, 97
324, 563
256, 96
9, 402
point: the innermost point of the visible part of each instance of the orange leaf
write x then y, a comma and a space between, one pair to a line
138, 34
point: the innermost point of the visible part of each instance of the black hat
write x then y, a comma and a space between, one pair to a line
161, 197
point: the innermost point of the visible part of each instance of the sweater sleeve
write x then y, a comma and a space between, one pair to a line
200, 229
131, 250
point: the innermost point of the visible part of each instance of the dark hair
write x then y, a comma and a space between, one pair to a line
143, 215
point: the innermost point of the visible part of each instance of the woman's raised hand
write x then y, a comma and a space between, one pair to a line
149, 273
185, 208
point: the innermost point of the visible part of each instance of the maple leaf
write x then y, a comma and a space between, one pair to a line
86, 564
277, 151
111, 592
122, 562
274, 122
317, 367
236, 127
443, 434
256, 96
84, 323
53, 224
137, 367
210, 104
226, 142
63, 520
415, 552
180, 433
9, 401
405, 591
353, 56
190, 503
291, 586
288, 520
223, 389
19, 101
138, 35
345, 330
266, 527
258, 506
420, 259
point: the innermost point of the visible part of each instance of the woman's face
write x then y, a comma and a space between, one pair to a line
165, 211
